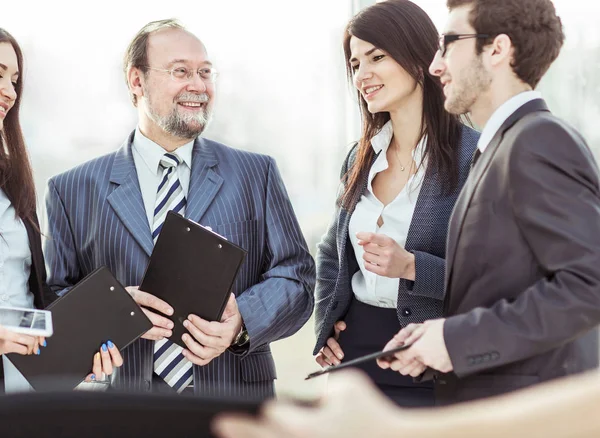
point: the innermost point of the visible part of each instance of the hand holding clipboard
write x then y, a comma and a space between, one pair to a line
386, 355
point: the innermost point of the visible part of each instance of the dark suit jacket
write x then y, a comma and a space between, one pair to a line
523, 259
417, 301
42, 294
96, 217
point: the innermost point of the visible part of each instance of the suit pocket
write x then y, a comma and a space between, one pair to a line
240, 233
258, 367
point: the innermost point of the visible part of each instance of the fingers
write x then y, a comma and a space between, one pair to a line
97, 367
211, 328
374, 238
162, 327
148, 300
204, 339
107, 367
196, 353
335, 348
115, 354
339, 326
405, 334
13, 347
412, 335
320, 359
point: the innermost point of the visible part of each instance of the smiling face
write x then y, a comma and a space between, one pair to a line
180, 108
380, 80
461, 70
9, 75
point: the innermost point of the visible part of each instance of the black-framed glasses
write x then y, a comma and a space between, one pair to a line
446, 40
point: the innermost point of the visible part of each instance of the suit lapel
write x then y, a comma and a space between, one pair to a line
205, 182
466, 195
126, 200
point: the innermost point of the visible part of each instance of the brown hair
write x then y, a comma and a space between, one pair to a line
533, 27
407, 34
136, 55
16, 178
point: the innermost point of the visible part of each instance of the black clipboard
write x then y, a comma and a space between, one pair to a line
192, 269
94, 311
387, 355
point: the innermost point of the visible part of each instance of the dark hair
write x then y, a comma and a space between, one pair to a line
136, 55
533, 27
16, 178
407, 34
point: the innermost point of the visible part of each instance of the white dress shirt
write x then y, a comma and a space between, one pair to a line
368, 287
147, 156
502, 113
15, 267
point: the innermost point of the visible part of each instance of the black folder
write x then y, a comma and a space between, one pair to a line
192, 269
94, 311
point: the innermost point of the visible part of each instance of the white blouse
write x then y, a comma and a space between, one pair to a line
15, 267
368, 287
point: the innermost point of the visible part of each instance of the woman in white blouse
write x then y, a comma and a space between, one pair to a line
22, 271
380, 266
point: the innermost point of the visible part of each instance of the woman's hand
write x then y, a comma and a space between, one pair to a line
383, 256
105, 361
332, 354
11, 342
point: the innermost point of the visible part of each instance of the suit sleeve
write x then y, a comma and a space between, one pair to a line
59, 247
283, 301
555, 196
430, 272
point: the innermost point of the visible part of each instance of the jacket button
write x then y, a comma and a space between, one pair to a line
406, 311
335, 304
495, 355
487, 357
471, 360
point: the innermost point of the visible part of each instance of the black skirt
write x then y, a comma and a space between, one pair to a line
368, 329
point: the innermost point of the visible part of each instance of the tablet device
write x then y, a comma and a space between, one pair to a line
386, 355
31, 322
193, 269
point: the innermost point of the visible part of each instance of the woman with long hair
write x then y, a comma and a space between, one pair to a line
380, 266
22, 270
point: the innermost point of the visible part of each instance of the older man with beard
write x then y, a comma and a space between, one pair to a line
109, 212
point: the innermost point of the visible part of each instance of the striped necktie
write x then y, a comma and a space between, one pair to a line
169, 362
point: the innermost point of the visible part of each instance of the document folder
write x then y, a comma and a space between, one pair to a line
94, 311
192, 269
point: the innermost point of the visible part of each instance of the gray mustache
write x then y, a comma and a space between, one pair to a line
189, 97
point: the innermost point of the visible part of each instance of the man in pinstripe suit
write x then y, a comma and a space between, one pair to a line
109, 211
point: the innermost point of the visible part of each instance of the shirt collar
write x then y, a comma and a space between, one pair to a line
501, 114
152, 153
381, 142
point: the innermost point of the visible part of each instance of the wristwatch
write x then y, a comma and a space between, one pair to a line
242, 337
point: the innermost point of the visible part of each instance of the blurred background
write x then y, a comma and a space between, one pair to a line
281, 91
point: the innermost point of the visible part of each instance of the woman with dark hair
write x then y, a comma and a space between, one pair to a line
22, 271
380, 266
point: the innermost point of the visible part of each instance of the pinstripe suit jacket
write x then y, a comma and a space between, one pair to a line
417, 301
97, 218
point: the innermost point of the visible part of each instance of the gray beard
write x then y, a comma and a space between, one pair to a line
186, 126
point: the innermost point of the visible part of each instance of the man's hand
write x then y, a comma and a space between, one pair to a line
105, 361
383, 256
11, 342
332, 354
162, 326
210, 339
428, 349
352, 408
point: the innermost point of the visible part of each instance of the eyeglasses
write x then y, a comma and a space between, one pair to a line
182, 74
446, 40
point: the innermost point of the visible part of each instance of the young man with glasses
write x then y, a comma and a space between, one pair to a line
523, 251
109, 212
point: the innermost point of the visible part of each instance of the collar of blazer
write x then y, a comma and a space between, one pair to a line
464, 200
126, 199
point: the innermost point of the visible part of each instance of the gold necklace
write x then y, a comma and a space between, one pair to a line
402, 168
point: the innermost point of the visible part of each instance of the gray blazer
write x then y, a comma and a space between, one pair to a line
523, 260
417, 301
97, 218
